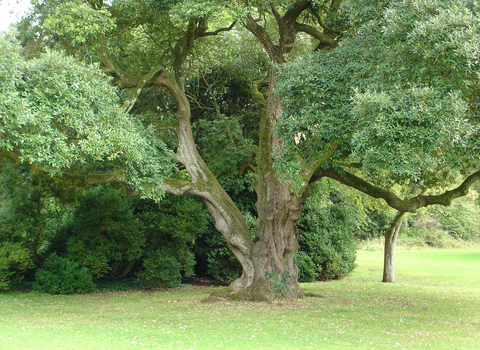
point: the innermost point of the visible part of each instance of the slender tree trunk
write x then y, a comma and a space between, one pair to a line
229, 220
391, 235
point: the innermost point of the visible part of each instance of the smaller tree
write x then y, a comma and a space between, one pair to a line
396, 105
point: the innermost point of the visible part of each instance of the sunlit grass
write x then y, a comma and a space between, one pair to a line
435, 304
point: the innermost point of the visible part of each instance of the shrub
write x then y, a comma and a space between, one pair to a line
306, 267
105, 236
60, 275
223, 265
160, 268
14, 261
327, 236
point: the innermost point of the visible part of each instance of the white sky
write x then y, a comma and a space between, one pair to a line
11, 11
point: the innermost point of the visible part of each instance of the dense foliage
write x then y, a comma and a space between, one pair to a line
326, 236
63, 276
403, 103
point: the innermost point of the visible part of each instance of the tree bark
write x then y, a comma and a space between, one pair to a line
278, 211
391, 235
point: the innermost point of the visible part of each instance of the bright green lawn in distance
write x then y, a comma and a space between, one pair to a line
435, 304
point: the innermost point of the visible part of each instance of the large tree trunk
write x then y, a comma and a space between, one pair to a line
391, 235
278, 210
276, 274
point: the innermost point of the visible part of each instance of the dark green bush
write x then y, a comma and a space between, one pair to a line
173, 227
14, 261
222, 263
105, 236
161, 268
60, 275
326, 235
306, 267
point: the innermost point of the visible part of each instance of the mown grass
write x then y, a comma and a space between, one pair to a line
435, 304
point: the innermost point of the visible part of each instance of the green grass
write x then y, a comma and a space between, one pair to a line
435, 304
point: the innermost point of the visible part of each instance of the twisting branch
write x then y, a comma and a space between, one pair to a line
219, 30
121, 78
357, 165
179, 187
256, 94
146, 80
68, 179
322, 37
277, 16
261, 34
247, 165
313, 166
407, 205
295, 10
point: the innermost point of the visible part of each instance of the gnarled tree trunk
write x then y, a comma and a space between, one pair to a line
268, 263
278, 210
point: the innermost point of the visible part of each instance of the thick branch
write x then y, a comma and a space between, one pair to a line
295, 10
121, 78
256, 94
408, 205
323, 25
247, 165
67, 178
357, 165
313, 166
261, 34
323, 38
85, 180
179, 187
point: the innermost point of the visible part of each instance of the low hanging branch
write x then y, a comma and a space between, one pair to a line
407, 205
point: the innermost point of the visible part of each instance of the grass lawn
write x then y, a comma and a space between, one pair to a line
435, 304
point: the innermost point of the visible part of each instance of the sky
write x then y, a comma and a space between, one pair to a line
11, 11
